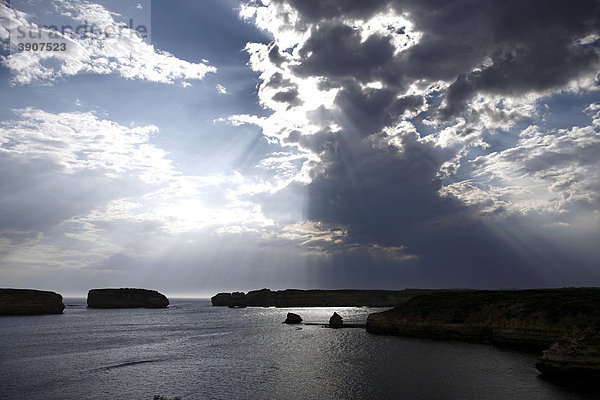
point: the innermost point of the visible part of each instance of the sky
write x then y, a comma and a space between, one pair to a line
198, 146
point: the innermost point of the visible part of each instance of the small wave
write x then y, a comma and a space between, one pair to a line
129, 363
214, 334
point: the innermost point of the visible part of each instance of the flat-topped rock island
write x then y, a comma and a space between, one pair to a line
126, 298
30, 302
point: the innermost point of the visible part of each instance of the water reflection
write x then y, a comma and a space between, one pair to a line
196, 351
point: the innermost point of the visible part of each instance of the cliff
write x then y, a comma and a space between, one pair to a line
535, 318
30, 302
567, 320
316, 298
574, 356
126, 298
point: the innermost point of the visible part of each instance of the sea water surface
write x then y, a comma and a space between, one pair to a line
196, 351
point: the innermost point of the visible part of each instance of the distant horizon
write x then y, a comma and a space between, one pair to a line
207, 295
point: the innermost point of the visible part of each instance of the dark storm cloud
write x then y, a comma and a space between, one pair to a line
367, 111
317, 10
527, 46
278, 81
386, 189
384, 195
541, 66
289, 96
390, 197
335, 50
275, 56
530, 45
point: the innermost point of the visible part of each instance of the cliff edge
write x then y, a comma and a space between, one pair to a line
30, 302
573, 357
126, 298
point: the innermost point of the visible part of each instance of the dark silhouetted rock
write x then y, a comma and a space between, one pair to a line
317, 298
237, 300
573, 357
221, 299
126, 298
30, 302
261, 298
534, 318
336, 321
292, 319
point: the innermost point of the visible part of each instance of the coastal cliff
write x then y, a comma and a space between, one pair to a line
574, 356
30, 302
126, 298
567, 320
537, 317
317, 298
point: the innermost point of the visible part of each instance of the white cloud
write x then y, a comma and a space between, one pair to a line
124, 53
326, 240
397, 26
545, 171
80, 140
283, 164
278, 18
221, 89
241, 119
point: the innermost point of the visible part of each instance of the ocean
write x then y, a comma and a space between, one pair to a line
196, 351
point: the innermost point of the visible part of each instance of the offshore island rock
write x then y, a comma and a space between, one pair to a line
126, 298
30, 302
292, 319
336, 321
237, 300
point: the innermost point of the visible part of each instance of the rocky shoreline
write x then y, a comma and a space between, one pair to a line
30, 302
575, 356
565, 321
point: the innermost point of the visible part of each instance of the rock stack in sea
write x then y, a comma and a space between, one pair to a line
30, 302
292, 319
336, 321
126, 298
